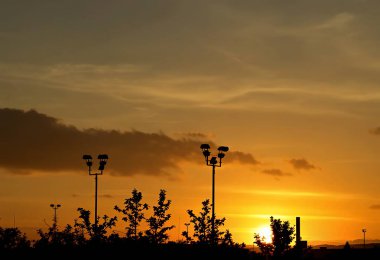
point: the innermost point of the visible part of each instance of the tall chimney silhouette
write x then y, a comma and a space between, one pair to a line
298, 230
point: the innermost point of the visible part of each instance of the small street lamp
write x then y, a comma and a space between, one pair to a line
364, 230
102, 163
187, 232
213, 162
55, 207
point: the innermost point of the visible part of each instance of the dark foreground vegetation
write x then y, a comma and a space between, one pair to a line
124, 248
98, 240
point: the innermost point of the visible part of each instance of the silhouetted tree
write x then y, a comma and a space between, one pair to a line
203, 225
13, 239
157, 232
98, 232
187, 237
68, 237
134, 213
265, 248
227, 239
282, 236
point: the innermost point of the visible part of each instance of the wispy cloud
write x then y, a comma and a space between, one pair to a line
276, 172
375, 131
289, 217
35, 141
375, 206
106, 196
301, 164
291, 193
198, 136
296, 193
286, 193
338, 21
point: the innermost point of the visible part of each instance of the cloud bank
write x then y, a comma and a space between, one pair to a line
32, 141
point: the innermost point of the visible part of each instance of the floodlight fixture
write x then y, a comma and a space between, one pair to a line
213, 161
223, 149
205, 146
88, 159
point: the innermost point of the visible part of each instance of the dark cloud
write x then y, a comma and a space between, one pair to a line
375, 131
301, 164
375, 206
276, 172
33, 141
245, 158
198, 136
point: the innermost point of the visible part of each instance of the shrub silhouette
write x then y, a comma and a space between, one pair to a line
68, 237
202, 224
134, 213
95, 232
13, 239
157, 232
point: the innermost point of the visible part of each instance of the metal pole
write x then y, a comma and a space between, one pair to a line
55, 215
96, 202
364, 238
213, 205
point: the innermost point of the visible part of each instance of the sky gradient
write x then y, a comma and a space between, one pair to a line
292, 87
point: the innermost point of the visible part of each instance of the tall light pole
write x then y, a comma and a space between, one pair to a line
55, 207
102, 163
364, 230
213, 162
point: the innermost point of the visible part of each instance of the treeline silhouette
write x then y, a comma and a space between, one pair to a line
85, 239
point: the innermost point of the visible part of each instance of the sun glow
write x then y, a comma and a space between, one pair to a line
266, 233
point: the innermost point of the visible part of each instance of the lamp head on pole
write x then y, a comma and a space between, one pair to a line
206, 151
102, 161
213, 161
88, 160
222, 150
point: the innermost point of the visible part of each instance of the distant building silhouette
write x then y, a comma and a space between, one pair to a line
299, 242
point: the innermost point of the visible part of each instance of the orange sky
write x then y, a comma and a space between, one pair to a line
291, 88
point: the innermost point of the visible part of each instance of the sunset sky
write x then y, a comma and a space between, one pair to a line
292, 87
